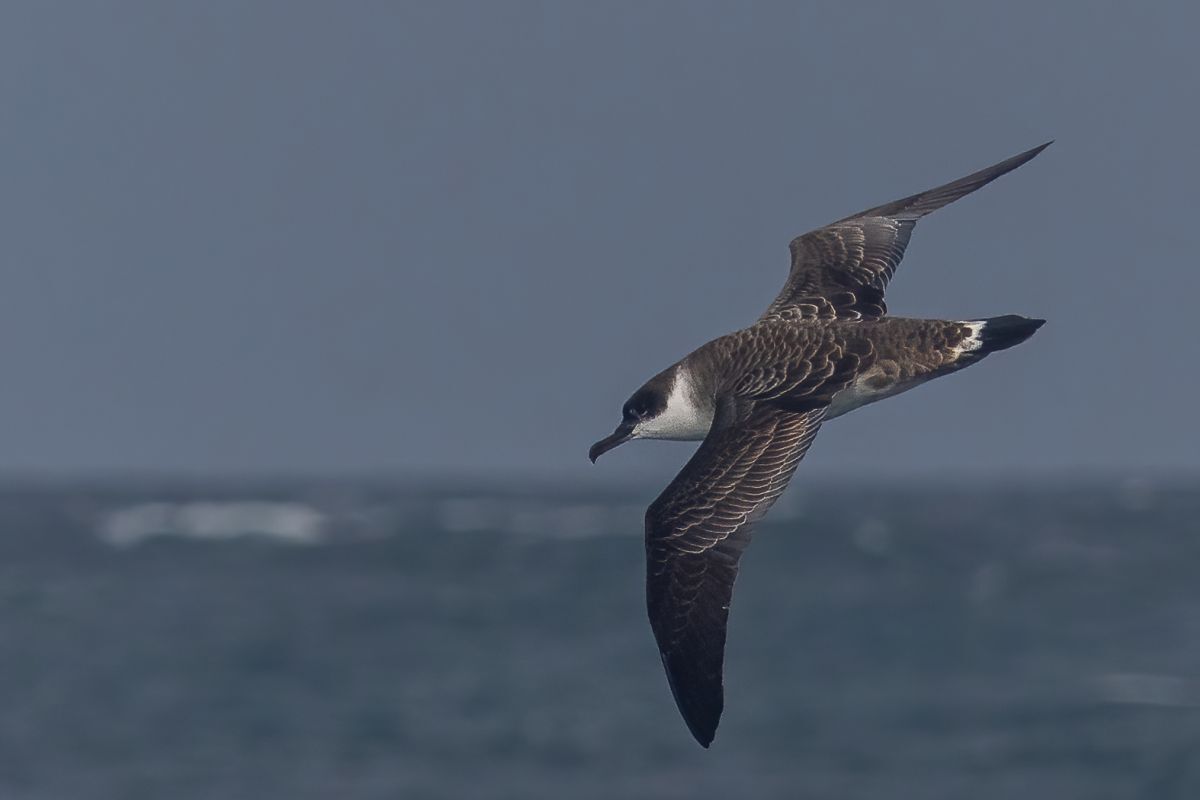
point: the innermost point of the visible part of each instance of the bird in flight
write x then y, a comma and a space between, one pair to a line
756, 397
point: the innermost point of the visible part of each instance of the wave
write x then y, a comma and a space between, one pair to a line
288, 523
315, 522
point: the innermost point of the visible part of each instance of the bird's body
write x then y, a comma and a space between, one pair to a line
756, 398
837, 365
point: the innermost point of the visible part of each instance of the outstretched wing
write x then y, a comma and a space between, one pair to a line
842, 270
695, 533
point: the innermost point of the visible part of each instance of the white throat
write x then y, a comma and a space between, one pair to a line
684, 418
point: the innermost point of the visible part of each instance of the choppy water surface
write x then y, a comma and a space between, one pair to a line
354, 641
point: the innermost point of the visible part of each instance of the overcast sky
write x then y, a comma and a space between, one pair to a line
443, 237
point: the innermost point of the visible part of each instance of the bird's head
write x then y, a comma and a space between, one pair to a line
637, 415
668, 406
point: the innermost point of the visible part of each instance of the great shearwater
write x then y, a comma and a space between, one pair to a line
756, 397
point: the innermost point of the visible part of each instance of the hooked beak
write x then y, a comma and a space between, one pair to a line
623, 433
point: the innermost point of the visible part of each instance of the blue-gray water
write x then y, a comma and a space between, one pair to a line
374, 641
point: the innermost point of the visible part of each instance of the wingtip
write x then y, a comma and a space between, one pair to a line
1028, 155
703, 735
1040, 148
701, 718
703, 727
915, 206
702, 723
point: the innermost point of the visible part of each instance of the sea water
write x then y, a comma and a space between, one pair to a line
343, 640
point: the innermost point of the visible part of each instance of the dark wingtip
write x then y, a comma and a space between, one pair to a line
1008, 165
700, 703
704, 731
1030, 153
918, 205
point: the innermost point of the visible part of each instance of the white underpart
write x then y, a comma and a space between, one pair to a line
683, 419
856, 395
972, 342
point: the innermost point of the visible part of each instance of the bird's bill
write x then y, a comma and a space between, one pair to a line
622, 434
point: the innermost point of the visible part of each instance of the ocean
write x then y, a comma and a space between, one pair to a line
381, 640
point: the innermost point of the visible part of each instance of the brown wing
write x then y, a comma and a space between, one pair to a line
695, 533
842, 270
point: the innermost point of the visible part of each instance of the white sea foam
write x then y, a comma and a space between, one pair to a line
324, 521
289, 523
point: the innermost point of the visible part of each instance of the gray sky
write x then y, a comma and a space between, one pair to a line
440, 237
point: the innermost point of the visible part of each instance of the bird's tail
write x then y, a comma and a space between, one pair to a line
1001, 333
989, 336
